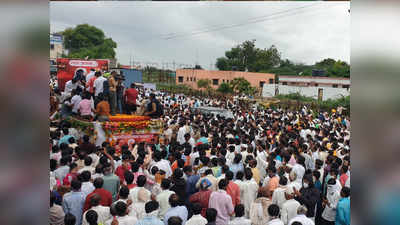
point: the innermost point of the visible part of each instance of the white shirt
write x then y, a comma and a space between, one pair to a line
299, 170
133, 194
240, 221
333, 196
289, 210
278, 197
275, 222
302, 219
87, 168
197, 220
126, 220
250, 188
164, 165
75, 103
88, 76
181, 134
103, 214
98, 84
87, 188
163, 200
69, 86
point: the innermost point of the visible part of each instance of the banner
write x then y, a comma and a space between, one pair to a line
148, 138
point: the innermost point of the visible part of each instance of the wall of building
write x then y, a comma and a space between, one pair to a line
309, 79
327, 92
191, 76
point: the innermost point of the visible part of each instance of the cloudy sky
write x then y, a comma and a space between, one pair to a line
190, 32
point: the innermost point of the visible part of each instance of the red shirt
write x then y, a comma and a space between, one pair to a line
131, 186
120, 172
343, 179
201, 197
105, 198
234, 191
91, 83
131, 95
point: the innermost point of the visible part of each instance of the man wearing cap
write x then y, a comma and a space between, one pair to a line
203, 196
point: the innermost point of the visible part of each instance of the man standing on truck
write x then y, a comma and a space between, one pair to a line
113, 92
130, 97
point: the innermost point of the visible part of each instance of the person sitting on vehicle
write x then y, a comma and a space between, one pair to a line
154, 108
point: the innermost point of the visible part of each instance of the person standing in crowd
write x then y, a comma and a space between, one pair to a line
98, 85
56, 213
176, 210
111, 181
151, 217
222, 202
105, 195
120, 94
163, 197
232, 189
197, 219
211, 215
301, 217
343, 208
73, 201
289, 207
239, 217
203, 196
273, 212
130, 96
308, 196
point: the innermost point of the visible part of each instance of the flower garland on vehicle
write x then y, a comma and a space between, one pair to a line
128, 118
86, 127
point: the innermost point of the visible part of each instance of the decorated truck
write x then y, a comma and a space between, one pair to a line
121, 129
67, 68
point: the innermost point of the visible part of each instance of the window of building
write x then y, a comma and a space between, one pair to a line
346, 86
191, 79
262, 83
180, 79
271, 81
187, 78
284, 83
223, 81
335, 85
215, 81
316, 85
194, 79
51, 46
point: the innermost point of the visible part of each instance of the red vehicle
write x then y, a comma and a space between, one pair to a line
67, 68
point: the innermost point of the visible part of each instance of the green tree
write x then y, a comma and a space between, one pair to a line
246, 57
242, 86
225, 88
204, 83
88, 41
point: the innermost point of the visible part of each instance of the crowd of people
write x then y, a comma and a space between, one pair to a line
261, 167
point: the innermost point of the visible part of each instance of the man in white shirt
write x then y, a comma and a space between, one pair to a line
134, 193
87, 186
89, 75
196, 219
298, 168
278, 196
103, 212
71, 85
98, 85
273, 212
163, 198
289, 207
239, 217
181, 133
301, 217
122, 215
75, 100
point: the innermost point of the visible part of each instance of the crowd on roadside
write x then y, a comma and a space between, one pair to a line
263, 166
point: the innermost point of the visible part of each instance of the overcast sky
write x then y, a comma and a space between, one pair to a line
190, 32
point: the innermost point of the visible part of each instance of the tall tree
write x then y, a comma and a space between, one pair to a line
203, 83
225, 88
88, 41
242, 86
246, 57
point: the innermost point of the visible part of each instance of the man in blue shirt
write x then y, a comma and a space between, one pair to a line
65, 138
73, 201
343, 208
151, 215
191, 181
176, 210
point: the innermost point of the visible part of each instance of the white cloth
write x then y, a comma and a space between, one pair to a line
276, 221
197, 220
299, 170
181, 134
302, 219
164, 165
133, 194
278, 197
88, 76
137, 210
333, 196
250, 188
75, 100
240, 221
98, 84
163, 200
289, 210
87, 188
126, 220
87, 168
103, 214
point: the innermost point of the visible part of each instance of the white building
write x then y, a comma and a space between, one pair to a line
322, 88
56, 46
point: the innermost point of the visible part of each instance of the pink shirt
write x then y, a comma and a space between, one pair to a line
222, 202
85, 107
